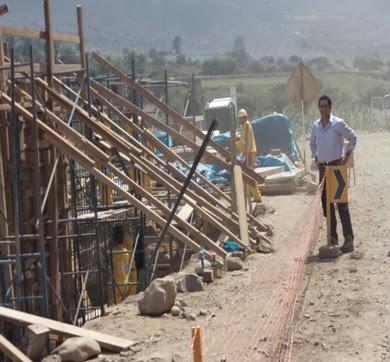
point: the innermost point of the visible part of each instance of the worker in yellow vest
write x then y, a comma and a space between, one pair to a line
122, 275
246, 145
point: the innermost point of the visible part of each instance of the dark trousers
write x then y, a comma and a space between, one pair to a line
342, 207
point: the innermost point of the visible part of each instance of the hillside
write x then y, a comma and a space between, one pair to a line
279, 27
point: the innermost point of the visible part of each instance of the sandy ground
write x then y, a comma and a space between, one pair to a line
342, 313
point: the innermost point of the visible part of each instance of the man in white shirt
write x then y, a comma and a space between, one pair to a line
327, 148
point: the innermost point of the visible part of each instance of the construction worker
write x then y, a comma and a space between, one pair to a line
246, 145
122, 249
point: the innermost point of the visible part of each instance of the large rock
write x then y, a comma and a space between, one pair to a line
78, 349
233, 264
159, 297
188, 282
199, 269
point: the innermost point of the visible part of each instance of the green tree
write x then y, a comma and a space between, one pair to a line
176, 44
239, 50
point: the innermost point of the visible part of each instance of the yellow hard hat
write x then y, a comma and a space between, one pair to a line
242, 113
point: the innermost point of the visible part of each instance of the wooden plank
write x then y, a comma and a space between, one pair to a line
38, 34
11, 351
22, 32
105, 341
67, 38
241, 204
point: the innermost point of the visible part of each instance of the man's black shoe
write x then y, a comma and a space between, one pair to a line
348, 245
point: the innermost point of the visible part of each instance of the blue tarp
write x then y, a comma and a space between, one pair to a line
276, 160
213, 173
163, 137
274, 131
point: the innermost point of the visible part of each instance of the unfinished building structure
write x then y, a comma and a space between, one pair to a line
77, 161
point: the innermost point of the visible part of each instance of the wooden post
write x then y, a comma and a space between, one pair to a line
240, 198
233, 163
53, 199
4, 223
80, 26
197, 344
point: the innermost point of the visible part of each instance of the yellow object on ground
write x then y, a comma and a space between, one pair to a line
121, 273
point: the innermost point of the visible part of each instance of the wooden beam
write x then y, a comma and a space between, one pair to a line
195, 233
241, 202
37, 34
106, 341
22, 32
66, 38
249, 174
86, 162
13, 353
171, 155
146, 117
49, 41
82, 142
80, 28
52, 136
98, 127
168, 153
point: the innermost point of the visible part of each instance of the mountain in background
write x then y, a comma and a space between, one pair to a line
338, 29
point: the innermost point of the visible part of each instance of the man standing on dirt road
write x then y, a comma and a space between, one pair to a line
327, 148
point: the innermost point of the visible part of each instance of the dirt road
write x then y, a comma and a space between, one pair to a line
342, 313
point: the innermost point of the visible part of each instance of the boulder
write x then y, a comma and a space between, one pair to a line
78, 349
233, 264
188, 282
159, 297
